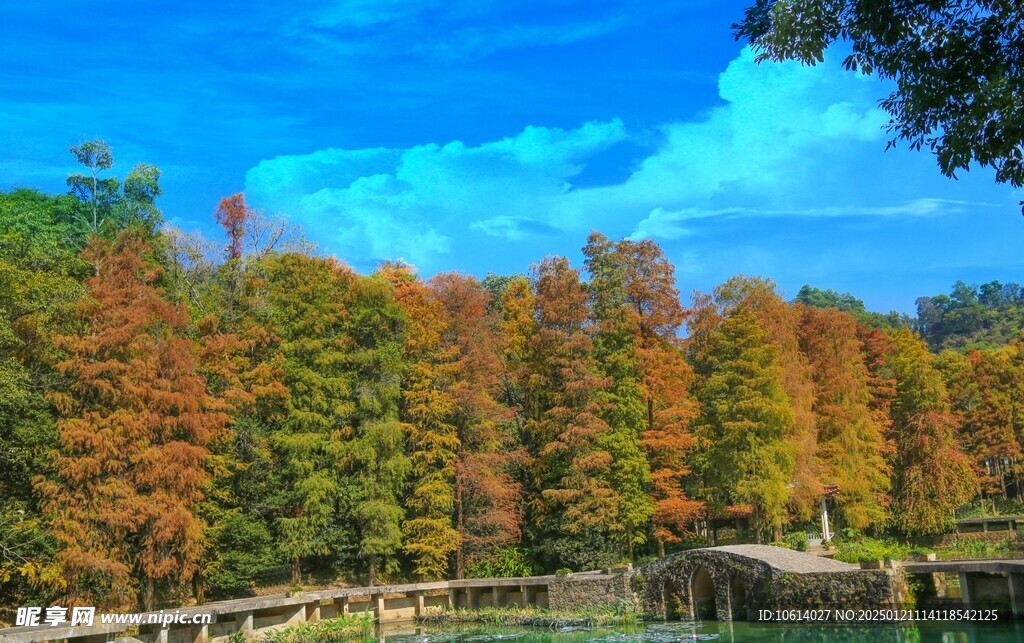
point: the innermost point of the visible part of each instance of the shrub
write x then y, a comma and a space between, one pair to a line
505, 562
243, 551
869, 549
796, 540
782, 544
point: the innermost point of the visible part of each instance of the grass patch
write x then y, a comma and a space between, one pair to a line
352, 626
865, 550
621, 614
975, 548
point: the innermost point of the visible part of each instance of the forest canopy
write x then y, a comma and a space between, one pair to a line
186, 419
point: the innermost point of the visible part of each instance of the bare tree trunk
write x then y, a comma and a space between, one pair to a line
150, 598
460, 553
373, 569
296, 570
198, 589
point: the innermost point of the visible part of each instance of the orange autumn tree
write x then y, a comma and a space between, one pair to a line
135, 421
851, 441
232, 214
488, 498
573, 507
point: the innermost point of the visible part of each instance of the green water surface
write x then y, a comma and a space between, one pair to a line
940, 632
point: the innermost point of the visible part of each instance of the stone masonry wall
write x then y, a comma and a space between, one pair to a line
580, 591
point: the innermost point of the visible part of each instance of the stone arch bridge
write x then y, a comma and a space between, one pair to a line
733, 582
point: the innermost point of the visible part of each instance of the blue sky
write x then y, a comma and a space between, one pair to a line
480, 136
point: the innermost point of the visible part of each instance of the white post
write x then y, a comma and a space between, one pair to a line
826, 535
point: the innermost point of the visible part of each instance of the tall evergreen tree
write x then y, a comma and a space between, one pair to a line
306, 296
617, 352
488, 497
574, 504
136, 420
377, 455
851, 443
744, 454
932, 475
428, 411
638, 315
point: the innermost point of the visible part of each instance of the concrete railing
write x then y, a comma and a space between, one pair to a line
981, 581
254, 616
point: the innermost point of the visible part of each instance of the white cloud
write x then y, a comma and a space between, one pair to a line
668, 224
783, 132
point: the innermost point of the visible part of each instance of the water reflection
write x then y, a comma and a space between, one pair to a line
724, 632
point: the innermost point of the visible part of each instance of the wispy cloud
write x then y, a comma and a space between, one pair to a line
669, 224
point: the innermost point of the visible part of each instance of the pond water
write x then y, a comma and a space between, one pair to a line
939, 632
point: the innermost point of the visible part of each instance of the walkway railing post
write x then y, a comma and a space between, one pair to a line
243, 622
200, 633
1016, 582
966, 590
312, 614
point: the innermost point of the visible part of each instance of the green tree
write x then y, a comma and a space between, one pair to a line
744, 454
572, 505
40, 275
376, 457
932, 475
306, 297
429, 412
97, 193
617, 307
958, 68
111, 206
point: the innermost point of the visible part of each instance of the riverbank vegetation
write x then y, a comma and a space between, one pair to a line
598, 616
185, 419
346, 627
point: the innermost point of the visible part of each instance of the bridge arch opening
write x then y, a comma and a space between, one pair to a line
738, 598
702, 595
673, 599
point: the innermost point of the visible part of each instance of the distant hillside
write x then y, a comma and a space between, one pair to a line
969, 317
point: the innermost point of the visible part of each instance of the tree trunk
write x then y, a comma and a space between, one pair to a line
777, 533
296, 571
198, 589
460, 553
661, 548
373, 569
150, 599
